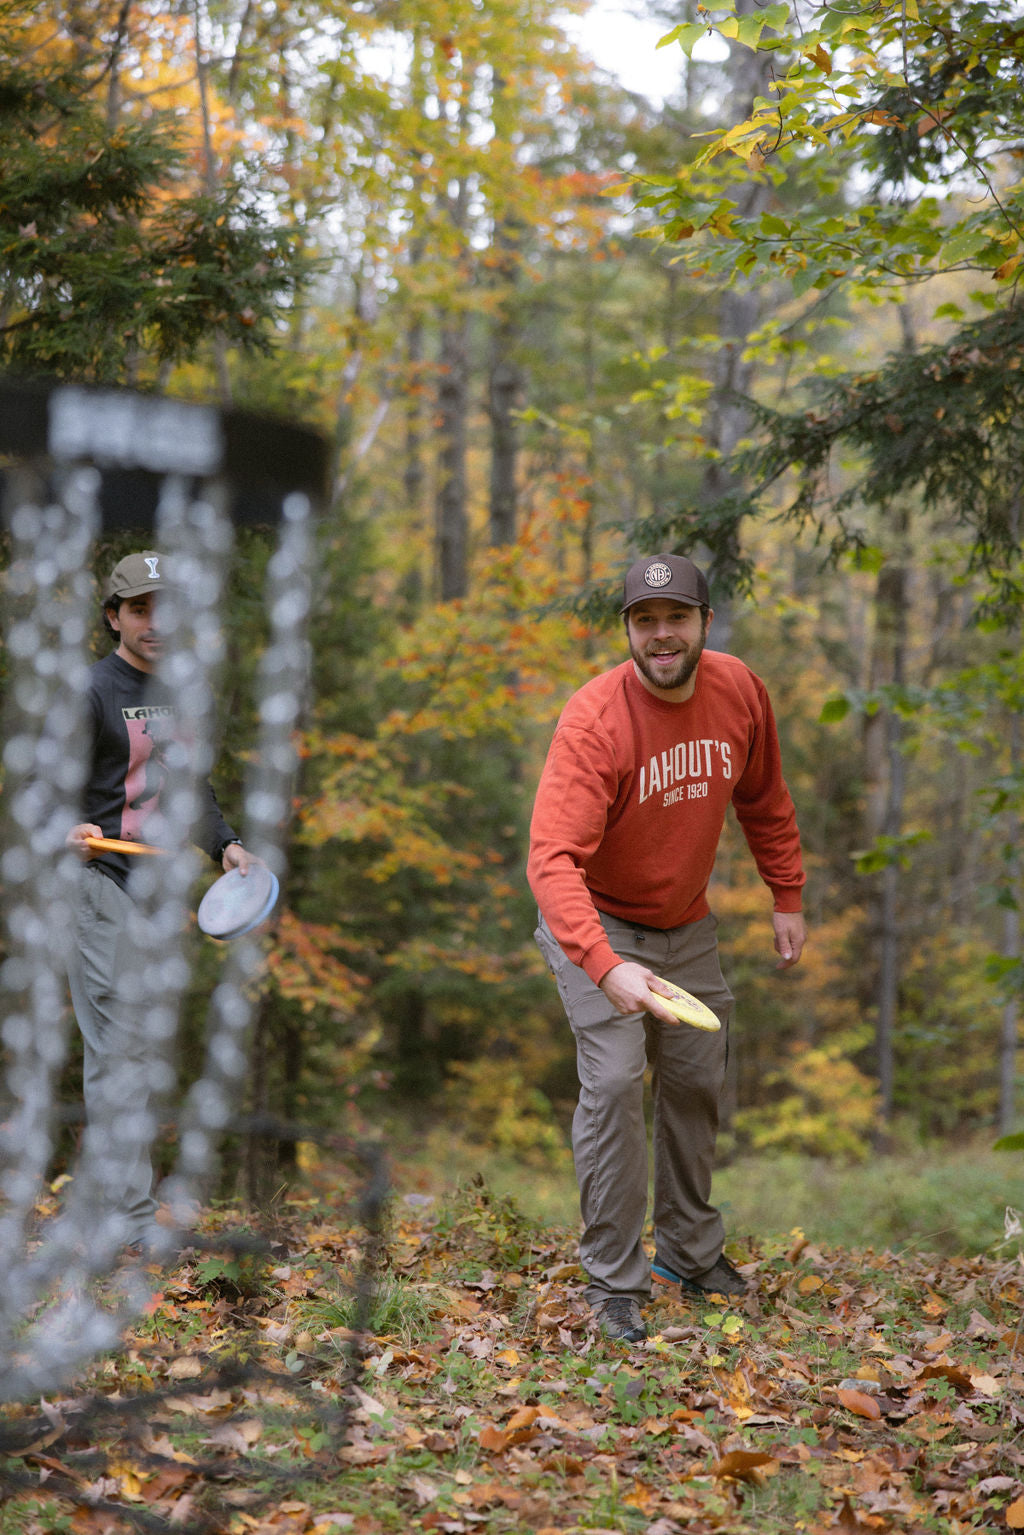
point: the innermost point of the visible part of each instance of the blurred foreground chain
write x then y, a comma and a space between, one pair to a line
76, 462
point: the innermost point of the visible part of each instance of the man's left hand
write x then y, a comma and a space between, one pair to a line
235, 856
790, 936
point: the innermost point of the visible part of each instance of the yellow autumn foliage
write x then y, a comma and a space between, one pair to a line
828, 1106
498, 1109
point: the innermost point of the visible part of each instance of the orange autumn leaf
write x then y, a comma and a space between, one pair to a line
1015, 1515
524, 1417
735, 1389
930, 1426
493, 1438
860, 1403
742, 1465
519, 1428
846, 1520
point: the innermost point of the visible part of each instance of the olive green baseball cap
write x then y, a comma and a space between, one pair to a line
135, 575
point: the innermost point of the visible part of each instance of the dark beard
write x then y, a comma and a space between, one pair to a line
680, 679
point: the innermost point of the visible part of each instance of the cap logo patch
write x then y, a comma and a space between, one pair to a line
152, 560
657, 575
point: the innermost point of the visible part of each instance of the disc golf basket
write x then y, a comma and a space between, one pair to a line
77, 462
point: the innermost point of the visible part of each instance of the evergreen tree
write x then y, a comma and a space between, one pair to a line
110, 268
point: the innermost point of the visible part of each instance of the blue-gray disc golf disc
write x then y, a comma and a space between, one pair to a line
237, 903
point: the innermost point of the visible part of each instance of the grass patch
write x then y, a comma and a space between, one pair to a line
944, 1200
396, 1309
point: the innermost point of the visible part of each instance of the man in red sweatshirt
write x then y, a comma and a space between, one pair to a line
645, 761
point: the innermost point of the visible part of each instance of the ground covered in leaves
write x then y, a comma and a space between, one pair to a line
850, 1391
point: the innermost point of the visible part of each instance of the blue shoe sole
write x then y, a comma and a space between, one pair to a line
664, 1275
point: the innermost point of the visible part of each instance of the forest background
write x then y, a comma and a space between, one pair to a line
548, 323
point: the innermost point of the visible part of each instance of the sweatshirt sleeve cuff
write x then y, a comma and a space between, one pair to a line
598, 961
788, 899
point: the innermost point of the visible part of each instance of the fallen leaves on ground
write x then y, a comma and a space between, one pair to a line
848, 1392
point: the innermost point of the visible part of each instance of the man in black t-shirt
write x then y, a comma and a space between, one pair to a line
130, 717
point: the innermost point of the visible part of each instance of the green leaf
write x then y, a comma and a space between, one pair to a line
964, 245
888, 852
833, 710
1013, 1142
687, 36
868, 557
749, 30
775, 16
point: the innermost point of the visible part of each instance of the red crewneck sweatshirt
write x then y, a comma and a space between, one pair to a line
632, 800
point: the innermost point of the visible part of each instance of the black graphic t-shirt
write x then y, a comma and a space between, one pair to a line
132, 719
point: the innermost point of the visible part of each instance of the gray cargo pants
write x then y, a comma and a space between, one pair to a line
609, 1133
123, 1073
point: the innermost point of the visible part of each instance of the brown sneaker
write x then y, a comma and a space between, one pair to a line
619, 1319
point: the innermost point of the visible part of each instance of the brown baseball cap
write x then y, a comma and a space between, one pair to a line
134, 575
665, 575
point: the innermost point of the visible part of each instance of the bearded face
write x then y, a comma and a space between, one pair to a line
666, 639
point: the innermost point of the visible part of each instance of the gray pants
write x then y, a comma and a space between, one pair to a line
122, 1068
609, 1133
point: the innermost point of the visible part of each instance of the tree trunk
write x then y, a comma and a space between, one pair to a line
1011, 944
504, 397
414, 470
414, 473
210, 180
505, 378
453, 407
116, 56
452, 519
885, 774
1011, 950
587, 528
885, 781
740, 304
257, 1150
